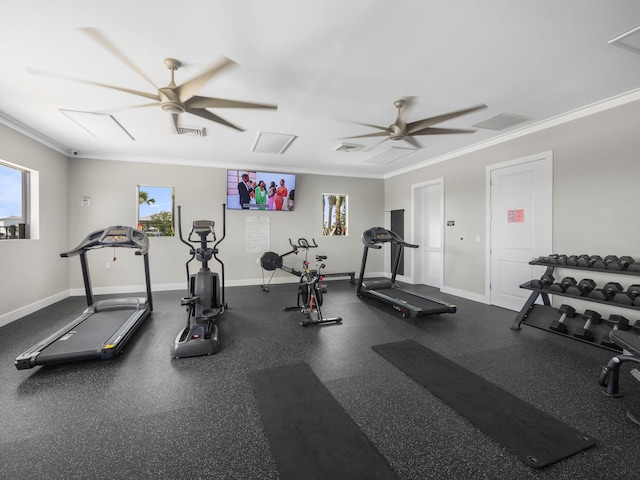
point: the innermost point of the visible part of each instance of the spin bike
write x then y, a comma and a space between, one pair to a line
310, 288
205, 303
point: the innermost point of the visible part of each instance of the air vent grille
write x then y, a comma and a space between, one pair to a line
501, 121
348, 147
192, 131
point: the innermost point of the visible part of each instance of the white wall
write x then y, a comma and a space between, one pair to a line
596, 172
33, 274
201, 192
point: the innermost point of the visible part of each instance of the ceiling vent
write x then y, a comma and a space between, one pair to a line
99, 125
628, 40
348, 147
191, 131
389, 155
502, 121
272, 142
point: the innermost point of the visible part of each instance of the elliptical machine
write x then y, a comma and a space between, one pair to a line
205, 302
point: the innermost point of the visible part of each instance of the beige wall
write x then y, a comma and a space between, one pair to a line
596, 171
201, 192
595, 197
32, 270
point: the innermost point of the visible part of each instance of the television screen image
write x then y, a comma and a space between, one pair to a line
255, 190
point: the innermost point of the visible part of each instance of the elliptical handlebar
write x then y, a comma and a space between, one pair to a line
192, 249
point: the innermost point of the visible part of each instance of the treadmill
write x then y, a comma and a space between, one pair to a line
104, 328
409, 304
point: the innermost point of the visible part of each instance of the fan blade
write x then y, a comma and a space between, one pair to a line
42, 73
386, 129
442, 131
174, 122
427, 122
208, 102
129, 107
413, 142
369, 135
102, 40
189, 88
368, 149
201, 112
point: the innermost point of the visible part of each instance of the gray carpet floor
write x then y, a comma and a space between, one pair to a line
145, 415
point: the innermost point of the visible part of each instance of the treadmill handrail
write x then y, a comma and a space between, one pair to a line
114, 236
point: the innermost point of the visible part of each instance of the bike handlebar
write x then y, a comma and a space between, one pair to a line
303, 243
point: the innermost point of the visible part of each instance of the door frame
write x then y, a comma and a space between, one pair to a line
547, 156
416, 227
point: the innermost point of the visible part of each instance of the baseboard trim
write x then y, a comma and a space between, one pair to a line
14, 315
476, 297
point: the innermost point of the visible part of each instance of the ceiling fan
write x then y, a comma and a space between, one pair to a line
175, 99
401, 130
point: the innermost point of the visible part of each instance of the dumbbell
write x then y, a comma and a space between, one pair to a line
544, 282
584, 332
601, 263
558, 325
584, 287
621, 264
607, 292
588, 262
583, 260
572, 260
629, 296
634, 267
563, 285
619, 323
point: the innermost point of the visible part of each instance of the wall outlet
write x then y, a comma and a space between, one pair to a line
107, 266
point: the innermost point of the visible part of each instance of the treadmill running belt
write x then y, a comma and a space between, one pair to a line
86, 338
311, 435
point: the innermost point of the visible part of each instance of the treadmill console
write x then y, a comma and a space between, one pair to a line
116, 236
373, 237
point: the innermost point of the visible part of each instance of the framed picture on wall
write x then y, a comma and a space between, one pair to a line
334, 214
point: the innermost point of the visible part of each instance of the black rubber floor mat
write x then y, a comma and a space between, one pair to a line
310, 434
536, 437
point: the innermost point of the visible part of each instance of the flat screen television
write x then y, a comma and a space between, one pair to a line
268, 191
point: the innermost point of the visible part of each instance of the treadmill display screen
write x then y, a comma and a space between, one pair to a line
116, 236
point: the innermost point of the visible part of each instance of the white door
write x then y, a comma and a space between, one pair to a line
520, 220
429, 214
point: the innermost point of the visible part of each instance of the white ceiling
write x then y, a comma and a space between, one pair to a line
325, 63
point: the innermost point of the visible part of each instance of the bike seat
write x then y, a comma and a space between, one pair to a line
321, 257
628, 340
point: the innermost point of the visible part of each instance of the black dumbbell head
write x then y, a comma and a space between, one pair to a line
592, 315
620, 322
611, 288
586, 285
583, 260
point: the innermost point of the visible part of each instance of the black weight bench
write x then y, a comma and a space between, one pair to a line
609, 378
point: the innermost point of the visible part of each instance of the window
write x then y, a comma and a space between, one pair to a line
155, 211
15, 199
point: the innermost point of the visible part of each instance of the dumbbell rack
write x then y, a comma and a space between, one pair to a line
541, 315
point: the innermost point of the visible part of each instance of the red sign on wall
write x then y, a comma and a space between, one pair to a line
515, 216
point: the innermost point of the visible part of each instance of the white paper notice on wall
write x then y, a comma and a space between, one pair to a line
258, 235
85, 201
515, 216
